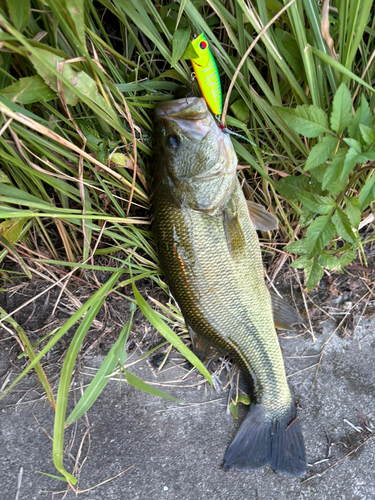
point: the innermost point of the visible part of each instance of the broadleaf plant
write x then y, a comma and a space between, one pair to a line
343, 154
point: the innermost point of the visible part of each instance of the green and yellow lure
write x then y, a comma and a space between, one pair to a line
207, 75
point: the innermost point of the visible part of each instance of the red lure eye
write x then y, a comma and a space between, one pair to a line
203, 45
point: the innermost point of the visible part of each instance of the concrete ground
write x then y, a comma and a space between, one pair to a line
175, 450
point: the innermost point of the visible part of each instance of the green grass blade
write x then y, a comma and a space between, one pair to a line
31, 354
101, 379
66, 373
67, 325
314, 16
339, 67
359, 28
140, 384
53, 476
10, 248
169, 334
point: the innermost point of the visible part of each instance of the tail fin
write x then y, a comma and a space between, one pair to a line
260, 441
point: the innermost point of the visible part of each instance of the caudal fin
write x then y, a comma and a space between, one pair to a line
260, 441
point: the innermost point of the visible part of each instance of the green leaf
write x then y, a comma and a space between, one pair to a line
362, 116
343, 225
4, 179
29, 90
81, 80
5, 36
51, 59
353, 143
240, 110
352, 211
369, 155
351, 160
329, 261
309, 121
341, 115
61, 332
320, 232
315, 203
334, 169
77, 11
306, 216
19, 11
87, 86
120, 353
19, 109
288, 46
233, 408
150, 85
289, 186
145, 387
190, 53
368, 134
180, 41
169, 334
317, 173
301, 263
249, 158
347, 258
321, 152
367, 194
234, 405
313, 275
11, 229
245, 400
299, 247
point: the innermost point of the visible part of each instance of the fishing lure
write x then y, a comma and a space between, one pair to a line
207, 75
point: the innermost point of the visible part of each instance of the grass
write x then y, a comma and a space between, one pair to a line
78, 82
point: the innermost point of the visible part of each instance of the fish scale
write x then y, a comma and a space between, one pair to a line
209, 250
222, 306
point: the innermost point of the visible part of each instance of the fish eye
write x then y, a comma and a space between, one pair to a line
203, 45
173, 140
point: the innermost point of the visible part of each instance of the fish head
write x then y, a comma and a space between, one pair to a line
198, 157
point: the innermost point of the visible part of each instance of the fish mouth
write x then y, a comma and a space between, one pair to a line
188, 108
190, 114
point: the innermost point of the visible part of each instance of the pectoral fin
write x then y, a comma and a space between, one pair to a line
261, 218
284, 315
233, 231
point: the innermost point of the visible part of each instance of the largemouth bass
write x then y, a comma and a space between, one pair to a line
209, 251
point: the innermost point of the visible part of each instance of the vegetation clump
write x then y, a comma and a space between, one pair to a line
78, 82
